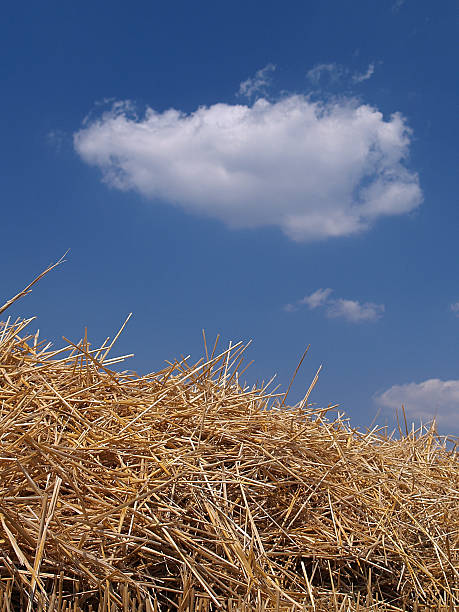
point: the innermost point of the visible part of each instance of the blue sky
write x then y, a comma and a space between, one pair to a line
282, 172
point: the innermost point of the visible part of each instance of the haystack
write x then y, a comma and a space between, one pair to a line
184, 489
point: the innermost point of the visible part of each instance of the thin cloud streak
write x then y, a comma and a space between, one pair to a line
397, 5
350, 310
359, 78
316, 299
258, 84
336, 73
333, 71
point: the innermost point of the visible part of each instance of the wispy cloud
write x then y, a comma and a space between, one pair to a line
397, 5
337, 73
333, 71
314, 169
258, 84
354, 311
455, 308
349, 310
57, 138
358, 78
433, 398
317, 298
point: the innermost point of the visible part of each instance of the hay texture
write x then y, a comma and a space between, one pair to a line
185, 490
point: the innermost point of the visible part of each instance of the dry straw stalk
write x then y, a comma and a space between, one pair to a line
185, 490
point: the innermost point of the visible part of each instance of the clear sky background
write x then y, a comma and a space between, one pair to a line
278, 171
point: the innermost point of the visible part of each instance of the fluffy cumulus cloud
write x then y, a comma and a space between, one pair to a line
313, 169
433, 398
350, 310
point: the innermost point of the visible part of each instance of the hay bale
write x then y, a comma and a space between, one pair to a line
183, 489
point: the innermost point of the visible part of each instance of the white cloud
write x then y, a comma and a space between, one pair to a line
317, 298
333, 71
433, 398
358, 78
354, 311
455, 308
257, 84
315, 170
350, 310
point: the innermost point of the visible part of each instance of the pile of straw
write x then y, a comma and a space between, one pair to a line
182, 489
